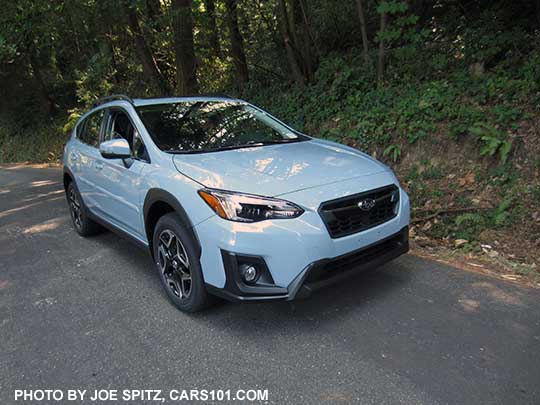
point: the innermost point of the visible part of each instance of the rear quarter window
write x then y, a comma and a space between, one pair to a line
88, 131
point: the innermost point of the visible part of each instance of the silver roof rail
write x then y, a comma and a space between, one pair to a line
114, 97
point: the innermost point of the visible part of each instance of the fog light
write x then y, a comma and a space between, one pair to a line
249, 273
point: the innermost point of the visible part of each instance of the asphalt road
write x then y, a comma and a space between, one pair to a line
91, 314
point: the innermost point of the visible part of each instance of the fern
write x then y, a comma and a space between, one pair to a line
494, 141
504, 150
394, 151
501, 214
469, 219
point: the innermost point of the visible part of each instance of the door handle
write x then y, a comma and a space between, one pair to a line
73, 156
99, 165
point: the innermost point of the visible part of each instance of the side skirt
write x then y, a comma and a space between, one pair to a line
113, 228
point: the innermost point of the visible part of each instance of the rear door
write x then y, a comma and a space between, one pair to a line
120, 179
86, 155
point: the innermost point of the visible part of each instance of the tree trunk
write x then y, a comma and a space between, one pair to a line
285, 32
380, 61
237, 45
154, 12
213, 37
186, 67
307, 24
47, 103
362, 18
310, 50
150, 67
110, 46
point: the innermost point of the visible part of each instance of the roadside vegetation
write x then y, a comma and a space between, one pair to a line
445, 92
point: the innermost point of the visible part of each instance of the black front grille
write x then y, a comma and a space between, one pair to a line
344, 217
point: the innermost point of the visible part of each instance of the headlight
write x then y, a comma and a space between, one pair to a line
248, 208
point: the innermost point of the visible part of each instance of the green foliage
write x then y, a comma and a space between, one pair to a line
392, 7
85, 49
31, 145
432, 172
470, 224
343, 104
469, 219
489, 37
73, 116
493, 141
501, 215
503, 176
95, 80
394, 151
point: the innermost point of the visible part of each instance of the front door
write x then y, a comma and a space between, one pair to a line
120, 179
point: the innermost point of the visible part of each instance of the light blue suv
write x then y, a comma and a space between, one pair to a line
229, 200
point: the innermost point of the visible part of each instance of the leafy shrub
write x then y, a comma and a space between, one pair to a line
493, 141
394, 151
40, 145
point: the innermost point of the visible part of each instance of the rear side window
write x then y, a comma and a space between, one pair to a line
88, 130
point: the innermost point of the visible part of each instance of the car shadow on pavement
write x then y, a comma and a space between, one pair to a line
325, 305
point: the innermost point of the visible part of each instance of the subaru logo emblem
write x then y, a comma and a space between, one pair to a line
367, 204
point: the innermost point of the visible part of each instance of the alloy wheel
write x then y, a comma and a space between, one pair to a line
75, 208
173, 263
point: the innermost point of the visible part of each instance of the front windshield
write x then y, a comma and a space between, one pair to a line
205, 126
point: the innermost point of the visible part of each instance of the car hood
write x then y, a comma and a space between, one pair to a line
277, 169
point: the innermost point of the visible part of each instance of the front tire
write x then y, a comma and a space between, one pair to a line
178, 265
79, 216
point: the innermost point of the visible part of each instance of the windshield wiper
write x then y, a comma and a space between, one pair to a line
277, 141
222, 148
251, 144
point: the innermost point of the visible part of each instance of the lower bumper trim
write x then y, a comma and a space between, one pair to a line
235, 297
322, 273
326, 272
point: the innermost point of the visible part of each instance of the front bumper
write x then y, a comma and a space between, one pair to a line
316, 275
289, 247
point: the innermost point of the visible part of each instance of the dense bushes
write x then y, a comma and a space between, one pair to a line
469, 71
343, 104
41, 143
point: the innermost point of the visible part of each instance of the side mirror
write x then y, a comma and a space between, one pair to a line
115, 149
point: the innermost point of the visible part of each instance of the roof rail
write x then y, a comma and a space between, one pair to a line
222, 95
104, 100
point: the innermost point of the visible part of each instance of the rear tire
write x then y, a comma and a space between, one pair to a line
79, 214
178, 265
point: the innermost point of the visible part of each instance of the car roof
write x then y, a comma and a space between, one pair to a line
137, 102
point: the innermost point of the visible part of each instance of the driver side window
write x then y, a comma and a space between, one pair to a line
120, 126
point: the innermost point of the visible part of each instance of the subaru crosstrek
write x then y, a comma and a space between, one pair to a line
229, 200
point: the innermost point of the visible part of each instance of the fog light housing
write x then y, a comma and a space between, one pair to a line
249, 273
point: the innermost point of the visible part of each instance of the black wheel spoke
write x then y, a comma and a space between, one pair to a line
176, 287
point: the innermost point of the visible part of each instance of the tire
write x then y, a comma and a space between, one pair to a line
79, 214
178, 266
